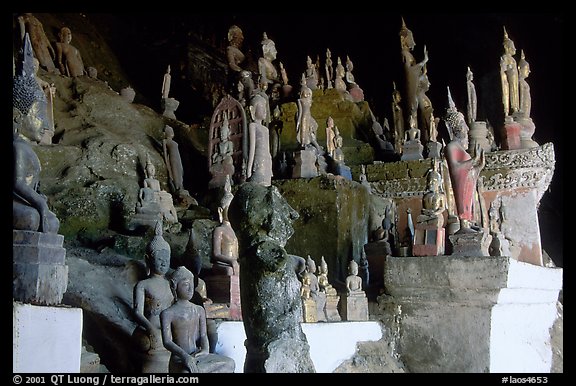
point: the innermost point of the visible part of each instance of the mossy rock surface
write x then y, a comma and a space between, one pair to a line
333, 220
352, 119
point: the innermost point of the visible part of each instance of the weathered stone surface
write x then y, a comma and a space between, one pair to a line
101, 284
354, 308
470, 244
270, 290
499, 313
374, 357
305, 164
331, 309
333, 220
39, 273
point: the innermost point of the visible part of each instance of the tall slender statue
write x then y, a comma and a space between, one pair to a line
524, 87
398, 117
472, 106
29, 206
259, 158
69, 58
283, 74
175, 168
464, 169
166, 83
43, 50
425, 106
172, 159
523, 115
306, 125
330, 136
413, 71
329, 69
509, 76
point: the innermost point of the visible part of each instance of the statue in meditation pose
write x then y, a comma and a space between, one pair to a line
184, 331
29, 206
152, 296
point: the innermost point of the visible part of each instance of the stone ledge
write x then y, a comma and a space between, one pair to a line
470, 279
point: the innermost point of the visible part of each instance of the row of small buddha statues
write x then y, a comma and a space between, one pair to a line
320, 300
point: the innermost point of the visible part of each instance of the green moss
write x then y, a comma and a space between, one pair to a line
352, 119
332, 223
419, 168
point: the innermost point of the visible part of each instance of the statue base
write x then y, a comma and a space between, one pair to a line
470, 244
46, 339
434, 149
354, 307
225, 289
331, 309
479, 135
156, 361
305, 164
511, 135
428, 240
309, 311
527, 129
39, 273
412, 150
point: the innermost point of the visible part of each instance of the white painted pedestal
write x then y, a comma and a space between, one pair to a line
46, 339
330, 343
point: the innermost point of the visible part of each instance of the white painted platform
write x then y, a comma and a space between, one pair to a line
330, 343
46, 339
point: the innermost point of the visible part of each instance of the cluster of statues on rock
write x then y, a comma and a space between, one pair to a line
320, 300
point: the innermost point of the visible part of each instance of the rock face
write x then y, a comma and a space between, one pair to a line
93, 175
269, 287
333, 220
101, 284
